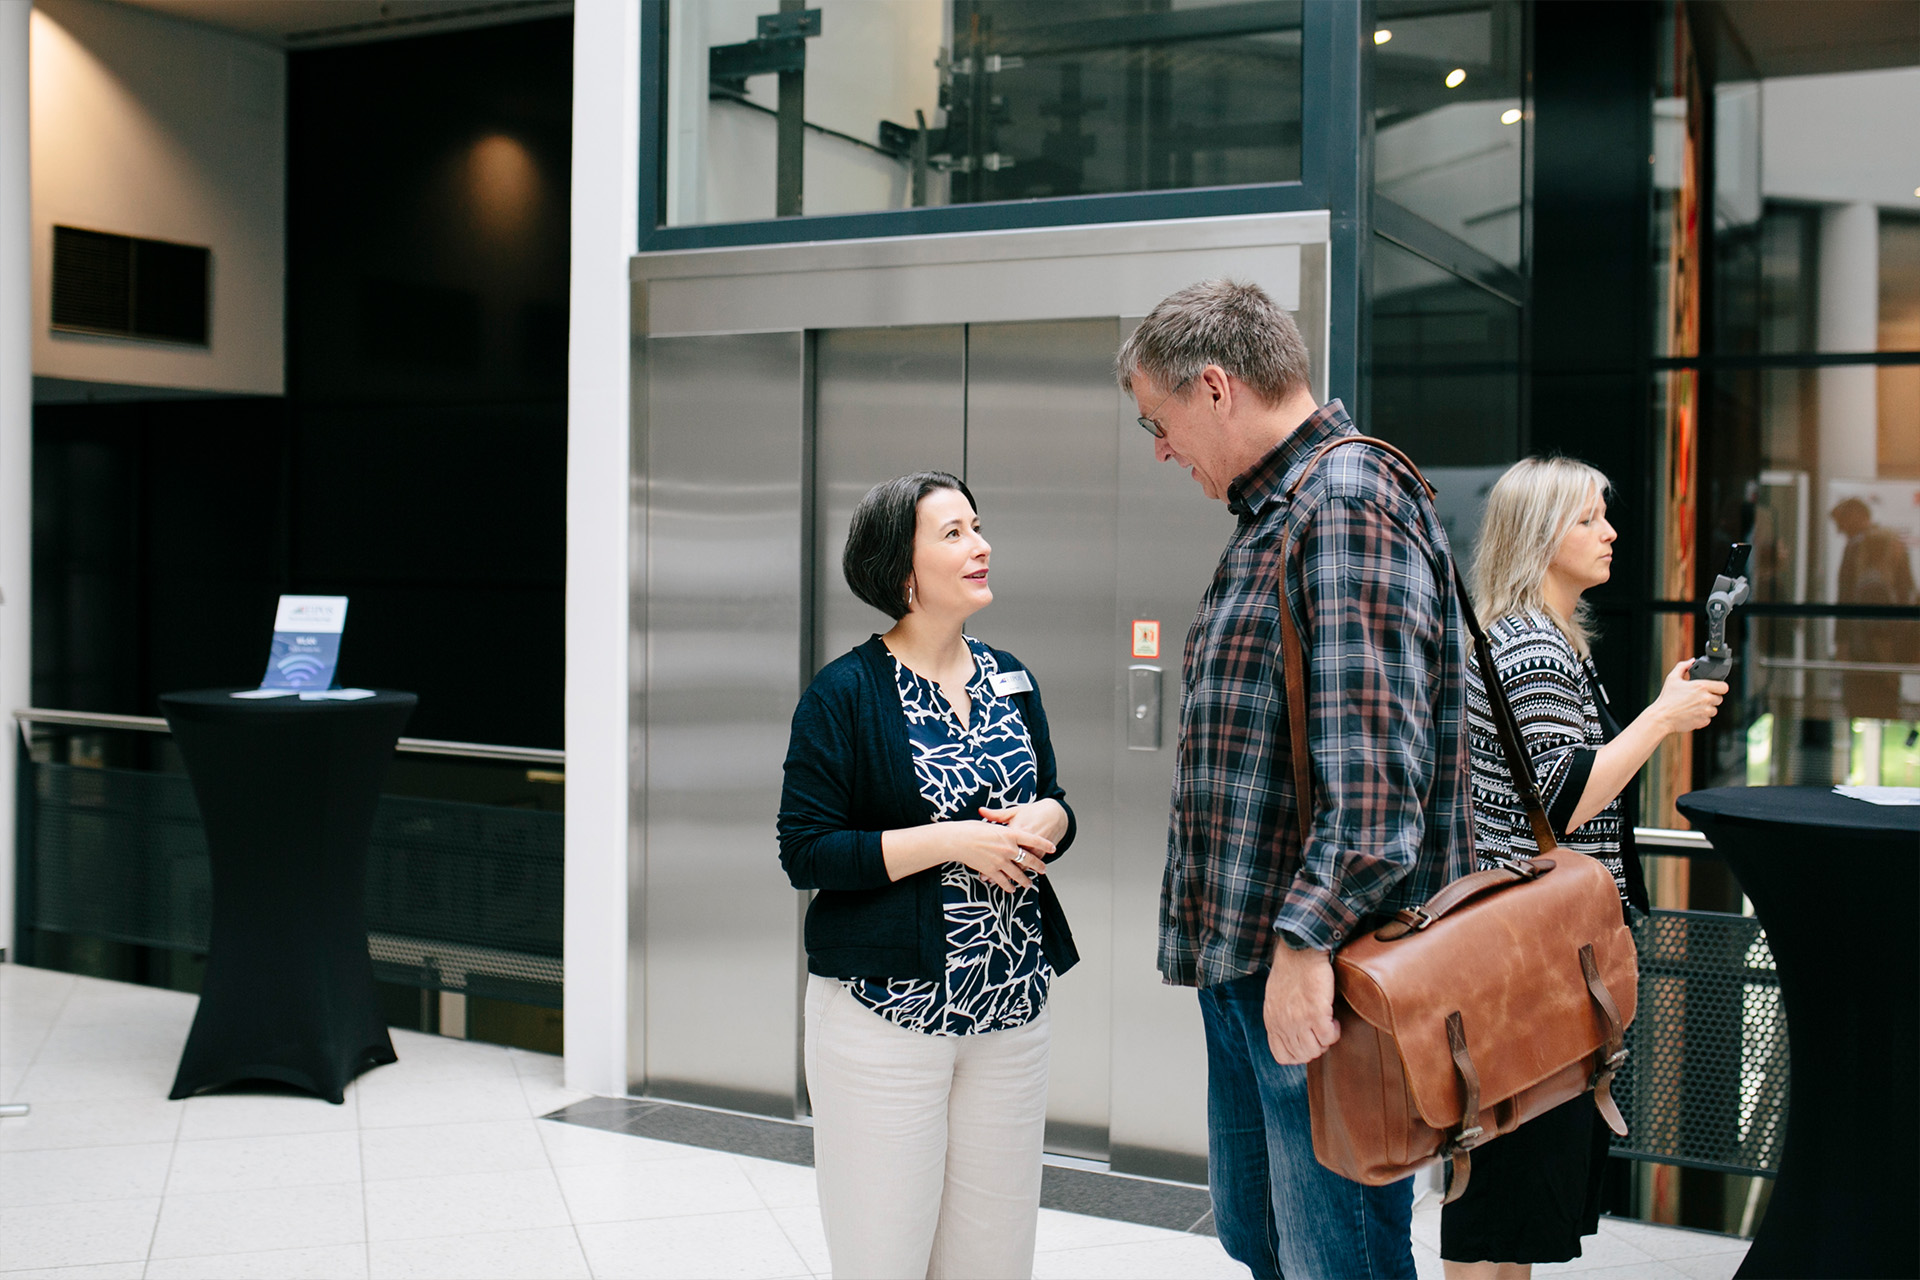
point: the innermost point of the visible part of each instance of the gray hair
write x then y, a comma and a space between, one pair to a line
1529, 511
1230, 323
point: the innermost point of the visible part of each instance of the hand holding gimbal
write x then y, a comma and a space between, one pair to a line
1729, 589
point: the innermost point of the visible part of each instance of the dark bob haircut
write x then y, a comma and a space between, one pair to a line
879, 556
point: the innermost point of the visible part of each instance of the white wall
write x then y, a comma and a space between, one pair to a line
1850, 138
606, 158
149, 127
16, 425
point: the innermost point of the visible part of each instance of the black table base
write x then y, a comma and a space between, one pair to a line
1836, 884
287, 791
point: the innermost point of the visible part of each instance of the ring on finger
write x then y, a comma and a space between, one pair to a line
1020, 856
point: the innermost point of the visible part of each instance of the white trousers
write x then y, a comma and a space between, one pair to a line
927, 1148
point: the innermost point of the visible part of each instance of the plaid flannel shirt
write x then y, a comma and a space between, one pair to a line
1370, 581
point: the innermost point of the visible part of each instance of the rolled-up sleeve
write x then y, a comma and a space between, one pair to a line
1370, 614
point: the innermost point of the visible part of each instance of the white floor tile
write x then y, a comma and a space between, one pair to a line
260, 1221
71, 1235
1605, 1249
111, 1043
1427, 1264
781, 1185
150, 1078
1710, 1266
24, 985
733, 1246
258, 1115
549, 1253
427, 1059
442, 1150
417, 1208
115, 1004
710, 1182
1426, 1224
442, 1102
1648, 1270
1059, 1230
1669, 1243
278, 1160
67, 1175
97, 1271
545, 1099
808, 1235
1184, 1257
108, 1122
569, 1145
334, 1262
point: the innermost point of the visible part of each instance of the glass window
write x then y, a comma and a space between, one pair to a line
1448, 114
1782, 413
1445, 381
929, 102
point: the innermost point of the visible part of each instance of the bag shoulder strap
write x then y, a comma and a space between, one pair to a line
1294, 662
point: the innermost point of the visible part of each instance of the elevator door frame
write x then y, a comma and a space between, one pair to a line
768, 302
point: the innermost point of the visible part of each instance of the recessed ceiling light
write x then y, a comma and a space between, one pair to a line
1510, 116
1916, 191
1456, 77
1382, 36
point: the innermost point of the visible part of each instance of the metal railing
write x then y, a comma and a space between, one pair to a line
461, 897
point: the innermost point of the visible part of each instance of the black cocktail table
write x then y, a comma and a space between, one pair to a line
287, 791
1836, 884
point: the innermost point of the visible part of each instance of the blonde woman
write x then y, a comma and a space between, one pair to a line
1544, 542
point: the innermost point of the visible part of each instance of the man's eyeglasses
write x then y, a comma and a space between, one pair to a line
1152, 427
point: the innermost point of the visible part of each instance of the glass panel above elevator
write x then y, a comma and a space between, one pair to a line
783, 107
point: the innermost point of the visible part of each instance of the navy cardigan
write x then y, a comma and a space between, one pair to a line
849, 776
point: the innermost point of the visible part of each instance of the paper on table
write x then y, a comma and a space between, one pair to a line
335, 695
1882, 795
264, 693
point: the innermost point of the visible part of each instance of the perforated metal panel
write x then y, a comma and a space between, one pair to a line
1706, 1077
460, 897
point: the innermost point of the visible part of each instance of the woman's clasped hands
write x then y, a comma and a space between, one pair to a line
1006, 847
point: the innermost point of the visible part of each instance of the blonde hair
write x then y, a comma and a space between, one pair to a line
1529, 511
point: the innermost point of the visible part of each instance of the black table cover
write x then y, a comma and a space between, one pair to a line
1836, 884
287, 791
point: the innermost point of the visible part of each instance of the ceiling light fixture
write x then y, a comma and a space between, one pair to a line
1456, 77
1510, 116
1382, 36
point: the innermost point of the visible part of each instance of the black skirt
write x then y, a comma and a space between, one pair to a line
1532, 1193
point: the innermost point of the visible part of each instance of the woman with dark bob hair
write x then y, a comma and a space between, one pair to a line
921, 803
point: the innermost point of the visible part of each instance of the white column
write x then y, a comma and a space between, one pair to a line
16, 423
606, 162
1849, 320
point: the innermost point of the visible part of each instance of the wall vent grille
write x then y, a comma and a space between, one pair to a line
126, 287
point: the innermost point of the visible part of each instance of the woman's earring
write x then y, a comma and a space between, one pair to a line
909, 595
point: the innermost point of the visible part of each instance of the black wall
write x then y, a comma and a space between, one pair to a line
418, 463
1591, 312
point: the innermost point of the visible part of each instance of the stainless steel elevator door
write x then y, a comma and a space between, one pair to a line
886, 402
1042, 430
722, 463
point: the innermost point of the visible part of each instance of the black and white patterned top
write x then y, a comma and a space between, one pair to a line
1550, 688
996, 972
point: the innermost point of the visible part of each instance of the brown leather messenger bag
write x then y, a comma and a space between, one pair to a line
1504, 995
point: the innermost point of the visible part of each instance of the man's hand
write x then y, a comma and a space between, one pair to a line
1299, 1005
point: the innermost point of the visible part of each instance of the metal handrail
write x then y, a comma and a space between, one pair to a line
412, 746
1672, 838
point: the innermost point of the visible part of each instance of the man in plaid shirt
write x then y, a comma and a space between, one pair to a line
1248, 914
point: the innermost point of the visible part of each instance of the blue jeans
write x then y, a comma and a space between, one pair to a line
1276, 1208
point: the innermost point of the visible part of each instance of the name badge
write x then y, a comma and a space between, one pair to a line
1010, 682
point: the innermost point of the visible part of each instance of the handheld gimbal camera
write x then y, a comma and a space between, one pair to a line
1729, 590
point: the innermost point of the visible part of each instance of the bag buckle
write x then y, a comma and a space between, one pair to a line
1522, 867
1415, 918
1607, 1069
1467, 1139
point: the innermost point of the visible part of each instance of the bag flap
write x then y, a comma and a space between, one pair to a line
1509, 963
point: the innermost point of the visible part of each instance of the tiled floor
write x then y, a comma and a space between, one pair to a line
439, 1166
